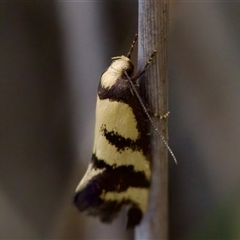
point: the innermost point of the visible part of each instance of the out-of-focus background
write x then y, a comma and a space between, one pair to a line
51, 57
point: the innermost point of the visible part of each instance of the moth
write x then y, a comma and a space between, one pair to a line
120, 171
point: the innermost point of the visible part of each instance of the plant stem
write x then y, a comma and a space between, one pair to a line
153, 28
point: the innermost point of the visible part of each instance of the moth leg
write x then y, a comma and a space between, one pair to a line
164, 116
161, 117
140, 73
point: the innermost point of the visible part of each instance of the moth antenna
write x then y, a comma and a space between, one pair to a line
146, 111
139, 74
149, 60
132, 46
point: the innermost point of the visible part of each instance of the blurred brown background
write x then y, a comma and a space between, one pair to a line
51, 57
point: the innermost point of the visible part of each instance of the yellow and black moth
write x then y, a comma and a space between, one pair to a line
119, 172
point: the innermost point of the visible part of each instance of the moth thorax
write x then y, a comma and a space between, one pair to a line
121, 64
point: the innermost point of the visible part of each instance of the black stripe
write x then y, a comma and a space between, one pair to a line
112, 179
120, 91
118, 179
121, 143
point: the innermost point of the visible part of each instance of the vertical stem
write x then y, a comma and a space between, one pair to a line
153, 28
